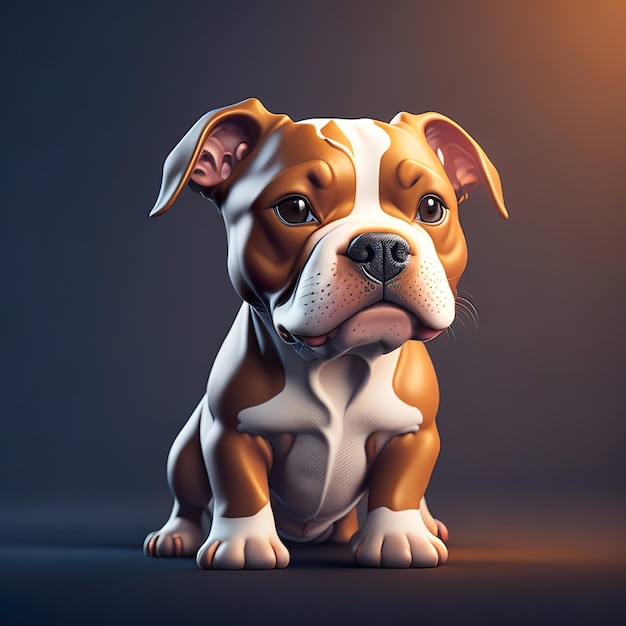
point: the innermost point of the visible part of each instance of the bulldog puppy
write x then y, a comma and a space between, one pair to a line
345, 245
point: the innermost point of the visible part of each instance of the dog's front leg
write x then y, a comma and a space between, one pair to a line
243, 532
394, 533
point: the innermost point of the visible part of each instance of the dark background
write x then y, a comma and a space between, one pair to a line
110, 321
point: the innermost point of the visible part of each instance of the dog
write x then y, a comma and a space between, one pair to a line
345, 246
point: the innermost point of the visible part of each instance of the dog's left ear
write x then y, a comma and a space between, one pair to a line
463, 160
212, 149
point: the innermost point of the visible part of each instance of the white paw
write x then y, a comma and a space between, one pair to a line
178, 537
397, 539
243, 543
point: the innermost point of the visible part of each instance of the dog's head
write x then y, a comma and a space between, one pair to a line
341, 233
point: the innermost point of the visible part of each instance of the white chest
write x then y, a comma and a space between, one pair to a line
330, 409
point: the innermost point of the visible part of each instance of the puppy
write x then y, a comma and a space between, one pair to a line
345, 246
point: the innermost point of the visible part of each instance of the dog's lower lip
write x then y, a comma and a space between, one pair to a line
425, 333
422, 333
317, 341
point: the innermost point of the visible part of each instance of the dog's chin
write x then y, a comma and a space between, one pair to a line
380, 328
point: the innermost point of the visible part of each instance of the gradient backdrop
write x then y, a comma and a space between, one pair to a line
110, 321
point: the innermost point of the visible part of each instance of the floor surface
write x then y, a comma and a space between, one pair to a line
553, 568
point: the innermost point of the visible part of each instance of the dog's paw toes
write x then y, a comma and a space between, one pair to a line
383, 551
397, 539
266, 553
150, 543
243, 553
427, 552
400, 551
243, 543
179, 537
442, 531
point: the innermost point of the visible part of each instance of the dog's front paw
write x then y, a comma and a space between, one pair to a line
243, 543
178, 537
397, 539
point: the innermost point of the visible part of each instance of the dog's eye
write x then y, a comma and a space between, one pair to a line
430, 210
295, 210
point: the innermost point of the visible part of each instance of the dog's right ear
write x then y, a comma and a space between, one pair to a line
464, 161
212, 149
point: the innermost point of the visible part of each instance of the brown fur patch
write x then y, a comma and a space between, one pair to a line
266, 254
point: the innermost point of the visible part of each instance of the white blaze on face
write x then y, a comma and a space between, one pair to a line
369, 143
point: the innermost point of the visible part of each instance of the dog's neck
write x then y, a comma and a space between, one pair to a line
327, 394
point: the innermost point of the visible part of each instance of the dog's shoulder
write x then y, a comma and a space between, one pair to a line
415, 381
247, 371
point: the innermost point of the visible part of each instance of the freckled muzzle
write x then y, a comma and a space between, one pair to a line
381, 287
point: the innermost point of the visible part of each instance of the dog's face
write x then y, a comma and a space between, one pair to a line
342, 233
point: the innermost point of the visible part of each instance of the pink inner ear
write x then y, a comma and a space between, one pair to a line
464, 161
461, 169
221, 153
226, 169
241, 151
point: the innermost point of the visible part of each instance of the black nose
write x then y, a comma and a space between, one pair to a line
381, 255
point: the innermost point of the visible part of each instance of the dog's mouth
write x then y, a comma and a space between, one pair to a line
387, 324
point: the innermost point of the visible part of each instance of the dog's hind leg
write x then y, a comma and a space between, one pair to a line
344, 528
182, 534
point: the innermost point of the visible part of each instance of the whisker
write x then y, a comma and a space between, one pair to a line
466, 312
450, 334
459, 319
466, 300
464, 316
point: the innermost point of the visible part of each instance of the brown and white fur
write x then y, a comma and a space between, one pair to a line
345, 245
